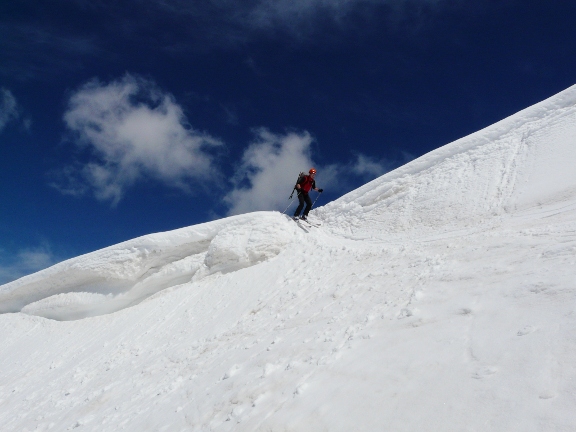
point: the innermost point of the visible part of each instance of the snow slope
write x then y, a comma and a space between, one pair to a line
439, 297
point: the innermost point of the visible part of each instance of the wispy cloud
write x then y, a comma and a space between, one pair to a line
9, 110
203, 25
37, 46
360, 169
306, 19
25, 262
38, 51
370, 168
132, 130
267, 13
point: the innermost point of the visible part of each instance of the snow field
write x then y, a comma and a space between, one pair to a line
331, 334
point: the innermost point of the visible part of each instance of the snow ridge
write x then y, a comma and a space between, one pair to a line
125, 274
501, 169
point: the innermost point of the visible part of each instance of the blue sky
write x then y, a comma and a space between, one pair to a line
119, 119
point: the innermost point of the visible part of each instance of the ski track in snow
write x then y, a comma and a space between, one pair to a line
439, 297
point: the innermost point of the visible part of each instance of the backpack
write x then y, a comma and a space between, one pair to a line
300, 178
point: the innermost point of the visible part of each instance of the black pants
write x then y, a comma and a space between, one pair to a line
303, 197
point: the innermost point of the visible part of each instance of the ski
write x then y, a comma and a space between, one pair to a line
304, 223
307, 222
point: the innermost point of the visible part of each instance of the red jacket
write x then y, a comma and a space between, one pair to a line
307, 183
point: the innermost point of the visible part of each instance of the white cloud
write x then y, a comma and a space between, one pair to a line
8, 108
26, 261
133, 130
268, 170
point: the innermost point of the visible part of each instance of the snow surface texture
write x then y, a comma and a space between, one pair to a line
439, 297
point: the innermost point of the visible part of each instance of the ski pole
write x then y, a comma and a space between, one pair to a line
316, 199
288, 205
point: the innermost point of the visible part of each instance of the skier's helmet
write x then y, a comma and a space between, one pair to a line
312, 171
